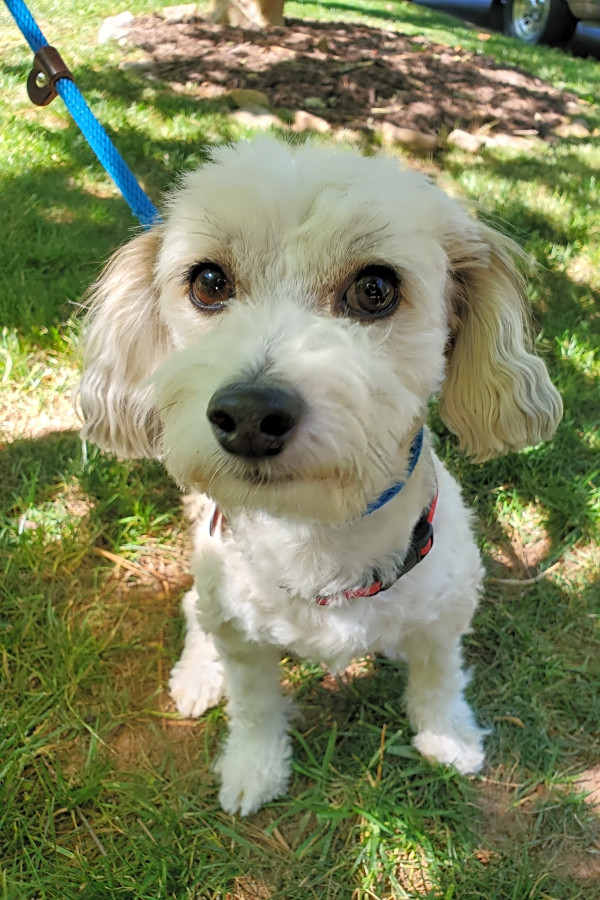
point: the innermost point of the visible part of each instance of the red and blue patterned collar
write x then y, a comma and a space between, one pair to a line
421, 542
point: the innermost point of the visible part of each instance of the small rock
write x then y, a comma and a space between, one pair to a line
209, 91
512, 141
183, 12
578, 128
256, 117
407, 137
114, 28
349, 135
305, 121
246, 98
470, 143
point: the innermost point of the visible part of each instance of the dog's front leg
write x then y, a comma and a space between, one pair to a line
197, 681
255, 762
445, 727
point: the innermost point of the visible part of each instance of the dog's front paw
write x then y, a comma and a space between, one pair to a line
195, 688
464, 752
253, 772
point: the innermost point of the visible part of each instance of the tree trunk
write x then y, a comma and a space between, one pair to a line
257, 14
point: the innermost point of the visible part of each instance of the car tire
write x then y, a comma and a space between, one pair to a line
539, 21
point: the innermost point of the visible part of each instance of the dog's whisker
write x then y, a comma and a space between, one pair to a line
358, 481
378, 461
166, 454
158, 411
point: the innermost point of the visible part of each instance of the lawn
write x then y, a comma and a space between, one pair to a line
104, 790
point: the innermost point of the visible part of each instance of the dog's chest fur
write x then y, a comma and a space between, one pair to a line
275, 570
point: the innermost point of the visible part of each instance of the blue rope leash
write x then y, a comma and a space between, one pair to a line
96, 136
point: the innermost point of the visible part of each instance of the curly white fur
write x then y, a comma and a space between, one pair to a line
291, 228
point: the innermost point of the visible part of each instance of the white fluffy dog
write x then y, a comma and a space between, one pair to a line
275, 341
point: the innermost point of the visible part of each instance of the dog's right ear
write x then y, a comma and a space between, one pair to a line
124, 340
497, 397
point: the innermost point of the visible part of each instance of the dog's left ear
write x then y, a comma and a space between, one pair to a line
497, 396
124, 341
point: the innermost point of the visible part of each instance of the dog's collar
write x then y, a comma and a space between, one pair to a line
421, 542
391, 492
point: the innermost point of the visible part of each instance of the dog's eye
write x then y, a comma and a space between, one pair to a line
209, 287
373, 293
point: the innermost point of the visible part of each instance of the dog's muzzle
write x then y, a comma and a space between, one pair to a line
254, 419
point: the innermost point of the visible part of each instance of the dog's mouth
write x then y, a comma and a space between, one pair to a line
267, 476
259, 478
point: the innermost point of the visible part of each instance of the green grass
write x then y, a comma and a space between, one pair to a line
104, 792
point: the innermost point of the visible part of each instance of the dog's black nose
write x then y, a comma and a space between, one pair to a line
254, 419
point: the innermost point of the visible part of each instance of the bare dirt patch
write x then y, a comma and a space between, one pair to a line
352, 75
510, 819
589, 783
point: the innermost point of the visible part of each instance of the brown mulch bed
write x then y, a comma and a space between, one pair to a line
360, 76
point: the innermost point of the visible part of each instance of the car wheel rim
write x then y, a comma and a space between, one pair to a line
529, 18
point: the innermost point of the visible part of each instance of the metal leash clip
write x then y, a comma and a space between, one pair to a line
48, 68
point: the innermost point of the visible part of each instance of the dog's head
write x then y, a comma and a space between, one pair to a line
277, 339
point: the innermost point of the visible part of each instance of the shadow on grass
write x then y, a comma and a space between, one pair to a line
54, 248
47, 479
66, 215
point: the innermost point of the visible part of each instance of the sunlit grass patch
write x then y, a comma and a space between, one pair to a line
582, 354
36, 387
